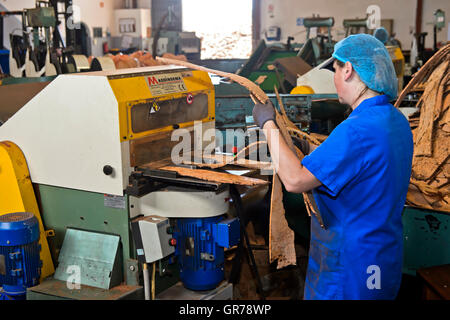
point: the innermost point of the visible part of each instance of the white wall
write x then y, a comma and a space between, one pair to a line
429, 7
403, 12
96, 15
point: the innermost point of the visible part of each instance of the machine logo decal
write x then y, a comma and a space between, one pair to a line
162, 84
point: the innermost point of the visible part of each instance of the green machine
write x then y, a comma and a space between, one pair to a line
260, 66
354, 26
317, 49
278, 64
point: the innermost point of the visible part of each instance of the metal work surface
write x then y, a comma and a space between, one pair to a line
52, 289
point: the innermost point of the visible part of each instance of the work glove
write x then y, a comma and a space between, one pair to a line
302, 144
263, 113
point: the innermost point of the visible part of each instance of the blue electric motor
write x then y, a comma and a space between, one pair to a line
200, 244
20, 266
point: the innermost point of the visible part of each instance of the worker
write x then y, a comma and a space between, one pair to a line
359, 177
381, 34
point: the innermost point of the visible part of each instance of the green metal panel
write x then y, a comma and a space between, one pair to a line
426, 239
274, 55
253, 60
41, 17
12, 80
270, 82
63, 208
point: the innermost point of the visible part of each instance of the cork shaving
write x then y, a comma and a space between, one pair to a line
429, 186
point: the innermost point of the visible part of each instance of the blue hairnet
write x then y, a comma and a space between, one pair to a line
371, 61
381, 34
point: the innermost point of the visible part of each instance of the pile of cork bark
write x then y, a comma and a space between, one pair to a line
139, 59
430, 180
236, 44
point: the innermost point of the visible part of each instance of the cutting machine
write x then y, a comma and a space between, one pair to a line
88, 142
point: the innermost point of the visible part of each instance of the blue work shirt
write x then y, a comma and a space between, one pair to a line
364, 167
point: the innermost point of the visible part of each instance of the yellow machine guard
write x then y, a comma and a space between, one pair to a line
17, 195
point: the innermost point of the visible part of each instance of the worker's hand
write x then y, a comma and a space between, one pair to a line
263, 113
302, 144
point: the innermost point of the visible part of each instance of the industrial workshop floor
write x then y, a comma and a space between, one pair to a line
283, 284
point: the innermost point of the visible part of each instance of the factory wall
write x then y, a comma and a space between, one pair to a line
403, 12
429, 7
96, 13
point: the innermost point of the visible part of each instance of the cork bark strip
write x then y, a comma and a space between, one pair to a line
281, 240
213, 176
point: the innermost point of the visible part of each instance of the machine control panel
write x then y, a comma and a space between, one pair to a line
152, 240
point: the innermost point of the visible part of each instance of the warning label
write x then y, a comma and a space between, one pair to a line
113, 201
162, 84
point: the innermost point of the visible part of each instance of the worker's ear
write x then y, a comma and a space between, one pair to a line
348, 71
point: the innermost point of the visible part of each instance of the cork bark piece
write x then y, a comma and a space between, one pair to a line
238, 159
319, 137
424, 72
431, 104
299, 133
281, 237
244, 163
213, 176
430, 179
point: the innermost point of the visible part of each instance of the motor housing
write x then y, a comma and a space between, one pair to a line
20, 264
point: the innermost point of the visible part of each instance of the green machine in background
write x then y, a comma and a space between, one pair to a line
318, 49
278, 64
261, 65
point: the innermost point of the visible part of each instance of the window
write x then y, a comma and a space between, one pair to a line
225, 27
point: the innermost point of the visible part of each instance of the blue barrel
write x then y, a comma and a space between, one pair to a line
20, 264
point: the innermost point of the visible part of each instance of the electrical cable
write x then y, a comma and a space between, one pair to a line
146, 281
153, 280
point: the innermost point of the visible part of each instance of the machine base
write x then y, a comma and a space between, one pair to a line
178, 292
53, 289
